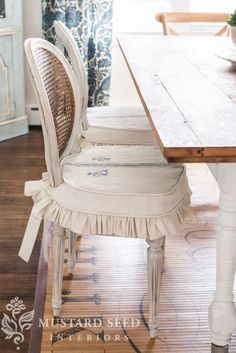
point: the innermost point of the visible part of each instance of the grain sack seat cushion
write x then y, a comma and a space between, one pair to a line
127, 191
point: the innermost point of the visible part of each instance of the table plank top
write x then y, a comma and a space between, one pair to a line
188, 93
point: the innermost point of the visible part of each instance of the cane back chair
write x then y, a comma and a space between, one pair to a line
103, 190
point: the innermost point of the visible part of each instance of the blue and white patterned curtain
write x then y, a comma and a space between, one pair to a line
91, 24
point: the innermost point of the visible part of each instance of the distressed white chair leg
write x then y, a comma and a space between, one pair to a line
46, 238
222, 315
72, 255
155, 264
58, 247
163, 261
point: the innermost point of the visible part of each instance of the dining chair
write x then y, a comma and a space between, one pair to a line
190, 17
127, 191
104, 125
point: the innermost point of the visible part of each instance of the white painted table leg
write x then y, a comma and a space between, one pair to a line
58, 247
155, 264
222, 315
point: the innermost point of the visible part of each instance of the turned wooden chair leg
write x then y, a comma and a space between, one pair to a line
58, 247
155, 264
46, 238
72, 255
163, 261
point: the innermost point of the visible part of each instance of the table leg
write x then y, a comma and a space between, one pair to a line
222, 314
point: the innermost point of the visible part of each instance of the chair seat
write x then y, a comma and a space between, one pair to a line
122, 126
128, 191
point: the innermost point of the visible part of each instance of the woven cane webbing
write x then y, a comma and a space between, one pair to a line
59, 93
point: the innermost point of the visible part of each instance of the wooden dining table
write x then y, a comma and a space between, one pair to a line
189, 94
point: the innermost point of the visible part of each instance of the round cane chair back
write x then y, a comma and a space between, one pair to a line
60, 102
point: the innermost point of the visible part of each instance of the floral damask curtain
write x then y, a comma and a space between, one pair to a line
90, 21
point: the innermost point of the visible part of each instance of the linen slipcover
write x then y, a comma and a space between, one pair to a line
122, 190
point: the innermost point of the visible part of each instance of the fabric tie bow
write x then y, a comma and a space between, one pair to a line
41, 191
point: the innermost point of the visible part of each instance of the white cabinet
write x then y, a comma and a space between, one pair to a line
13, 120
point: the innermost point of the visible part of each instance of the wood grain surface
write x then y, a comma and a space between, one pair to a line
188, 94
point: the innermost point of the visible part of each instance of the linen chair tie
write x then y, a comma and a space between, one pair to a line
41, 191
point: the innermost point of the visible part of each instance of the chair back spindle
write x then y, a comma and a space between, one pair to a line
65, 40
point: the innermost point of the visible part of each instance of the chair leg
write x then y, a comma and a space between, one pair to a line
163, 248
46, 238
155, 264
72, 256
58, 247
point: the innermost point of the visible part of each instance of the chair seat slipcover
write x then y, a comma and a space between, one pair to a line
118, 126
126, 191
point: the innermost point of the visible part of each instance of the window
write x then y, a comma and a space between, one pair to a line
138, 15
212, 6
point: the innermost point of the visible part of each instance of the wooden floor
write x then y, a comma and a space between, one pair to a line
110, 287
21, 159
